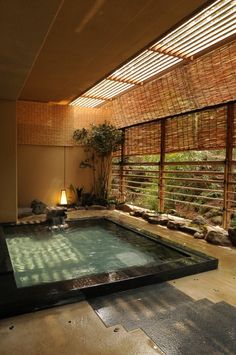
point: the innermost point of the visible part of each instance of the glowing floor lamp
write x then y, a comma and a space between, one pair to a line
63, 198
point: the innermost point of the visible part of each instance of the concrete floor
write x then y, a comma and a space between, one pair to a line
76, 329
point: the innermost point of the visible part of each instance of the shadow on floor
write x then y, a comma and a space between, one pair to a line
174, 321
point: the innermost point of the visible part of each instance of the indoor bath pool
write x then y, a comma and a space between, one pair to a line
85, 248
91, 256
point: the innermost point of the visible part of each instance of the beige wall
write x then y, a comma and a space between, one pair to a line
43, 131
41, 172
8, 199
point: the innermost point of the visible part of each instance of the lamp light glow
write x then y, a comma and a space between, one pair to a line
63, 199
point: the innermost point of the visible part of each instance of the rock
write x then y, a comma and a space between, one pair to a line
217, 236
199, 220
189, 229
172, 225
153, 220
136, 213
119, 206
179, 219
198, 235
111, 206
97, 207
147, 215
126, 208
175, 225
159, 219
172, 212
232, 235
38, 207
217, 220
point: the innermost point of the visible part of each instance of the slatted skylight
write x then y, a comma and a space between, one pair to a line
211, 25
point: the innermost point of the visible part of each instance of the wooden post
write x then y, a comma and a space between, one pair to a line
161, 191
228, 165
122, 191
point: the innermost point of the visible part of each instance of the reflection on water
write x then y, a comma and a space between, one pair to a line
91, 247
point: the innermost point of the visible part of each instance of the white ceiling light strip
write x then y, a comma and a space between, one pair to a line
178, 39
104, 88
87, 102
154, 66
224, 34
227, 25
211, 25
128, 69
159, 69
148, 62
185, 27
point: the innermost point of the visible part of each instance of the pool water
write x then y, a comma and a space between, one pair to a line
87, 247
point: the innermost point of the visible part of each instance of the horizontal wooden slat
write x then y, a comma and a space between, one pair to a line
193, 188
193, 203
194, 196
195, 180
200, 162
196, 172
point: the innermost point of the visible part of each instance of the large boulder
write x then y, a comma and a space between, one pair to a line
38, 207
217, 236
232, 235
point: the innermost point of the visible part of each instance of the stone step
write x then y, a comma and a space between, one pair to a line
132, 306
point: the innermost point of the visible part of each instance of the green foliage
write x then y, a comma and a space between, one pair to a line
198, 188
104, 139
100, 142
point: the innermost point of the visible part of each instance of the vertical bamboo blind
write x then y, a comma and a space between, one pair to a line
210, 129
206, 81
204, 130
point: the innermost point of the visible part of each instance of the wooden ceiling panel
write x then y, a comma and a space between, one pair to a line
23, 26
91, 38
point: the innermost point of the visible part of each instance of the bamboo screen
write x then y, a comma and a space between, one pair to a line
203, 130
53, 125
143, 139
206, 81
42, 124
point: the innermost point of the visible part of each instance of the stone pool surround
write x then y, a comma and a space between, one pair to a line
17, 301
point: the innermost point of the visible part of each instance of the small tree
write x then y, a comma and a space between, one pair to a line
101, 141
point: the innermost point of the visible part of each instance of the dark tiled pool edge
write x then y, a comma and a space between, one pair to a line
5, 261
15, 300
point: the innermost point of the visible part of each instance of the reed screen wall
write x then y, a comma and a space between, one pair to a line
53, 125
205, 81
191, 108
163, 180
